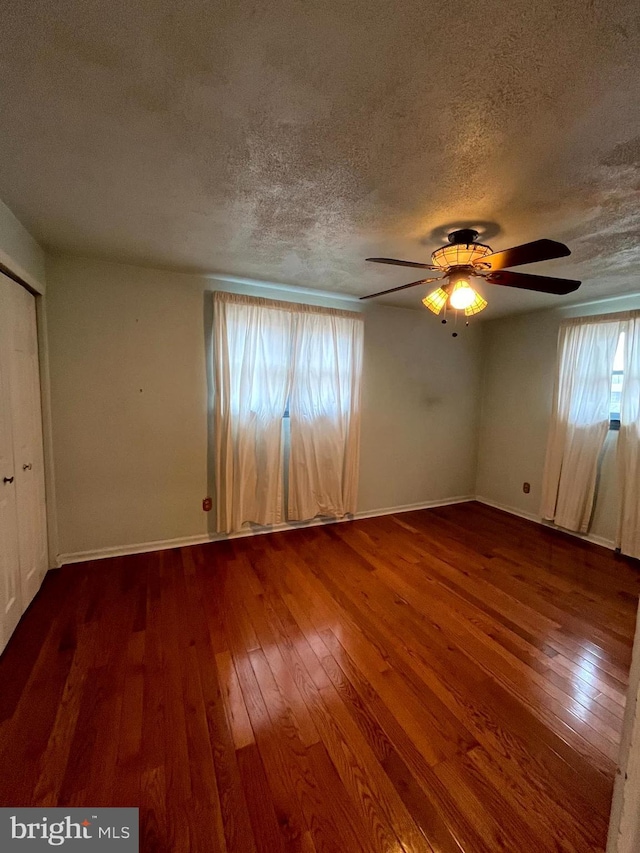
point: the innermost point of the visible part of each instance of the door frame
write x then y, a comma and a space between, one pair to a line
624, 823
38, 292
47, 430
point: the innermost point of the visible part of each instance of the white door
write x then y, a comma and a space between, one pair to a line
10, 586
27, 441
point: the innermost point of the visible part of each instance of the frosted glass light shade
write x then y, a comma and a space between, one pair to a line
456, 254
436, 300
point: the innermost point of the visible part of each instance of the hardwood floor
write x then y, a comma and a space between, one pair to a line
445, 680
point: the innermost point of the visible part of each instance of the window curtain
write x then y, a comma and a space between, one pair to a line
268, 356
580, 419
628, 453
252, 376
325, 414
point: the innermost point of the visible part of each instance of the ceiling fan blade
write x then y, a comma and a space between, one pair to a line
528, 253
541, 283
402, 263
402, 287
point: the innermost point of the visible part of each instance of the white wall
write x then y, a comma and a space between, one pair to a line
19, 252
129, 403
519, 359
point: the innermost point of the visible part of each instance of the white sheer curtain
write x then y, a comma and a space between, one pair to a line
325, 414
580, 419
629, 442
268, 354
252, 375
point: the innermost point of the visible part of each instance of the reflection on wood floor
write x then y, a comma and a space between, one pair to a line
443, 680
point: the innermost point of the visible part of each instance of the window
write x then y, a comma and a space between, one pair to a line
286, 390
597, 387
617, 378
581, 416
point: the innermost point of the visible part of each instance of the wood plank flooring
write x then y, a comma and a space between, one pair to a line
431, 682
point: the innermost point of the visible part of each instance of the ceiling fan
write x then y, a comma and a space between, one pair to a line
464, 259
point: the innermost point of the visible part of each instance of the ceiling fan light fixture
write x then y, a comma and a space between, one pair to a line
436, 300
463, 258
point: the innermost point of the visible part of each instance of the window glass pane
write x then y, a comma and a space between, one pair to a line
617, 378
618, 359
616, 391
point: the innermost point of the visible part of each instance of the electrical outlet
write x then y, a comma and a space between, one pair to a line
526, 488
207, 503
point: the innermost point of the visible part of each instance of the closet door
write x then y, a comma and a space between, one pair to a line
10, 586
26, 417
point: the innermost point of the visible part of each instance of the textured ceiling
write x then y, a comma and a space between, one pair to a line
287, 141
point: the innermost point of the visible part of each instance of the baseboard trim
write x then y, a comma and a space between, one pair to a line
203, 538
137, 548
588, 537
392, 510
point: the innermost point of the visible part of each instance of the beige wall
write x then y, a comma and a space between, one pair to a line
129, 403
420, 409
519, 359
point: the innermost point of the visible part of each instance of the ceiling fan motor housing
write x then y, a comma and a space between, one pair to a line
463, 235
